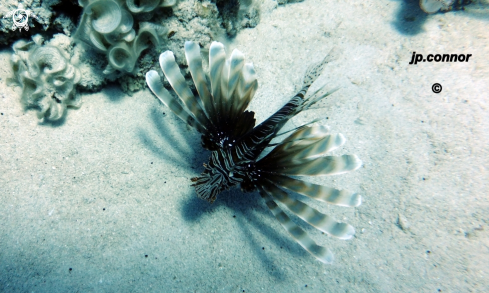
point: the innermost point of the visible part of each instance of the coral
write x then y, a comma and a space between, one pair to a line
112, 34
236, 14
283, 2
108, 26
208, 20
46, 75
122, 29
51, 15
433, 6
194, 19
91, 65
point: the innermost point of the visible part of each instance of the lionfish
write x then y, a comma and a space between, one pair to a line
238, 147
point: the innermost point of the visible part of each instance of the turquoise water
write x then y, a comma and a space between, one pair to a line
102, 202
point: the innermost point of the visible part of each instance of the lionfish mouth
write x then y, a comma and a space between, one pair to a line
228, 130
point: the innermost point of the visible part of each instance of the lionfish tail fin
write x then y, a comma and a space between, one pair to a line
319, 252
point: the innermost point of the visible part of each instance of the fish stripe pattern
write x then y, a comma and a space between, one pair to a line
321, 253
238, 156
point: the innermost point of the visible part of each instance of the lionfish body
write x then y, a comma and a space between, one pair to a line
228, 130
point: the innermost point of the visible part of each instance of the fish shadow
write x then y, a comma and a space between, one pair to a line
410, 18
248, 210
185, 148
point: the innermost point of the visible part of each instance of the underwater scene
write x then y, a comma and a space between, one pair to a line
244, 146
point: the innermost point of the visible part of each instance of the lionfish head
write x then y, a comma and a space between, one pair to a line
207, 186
213, 180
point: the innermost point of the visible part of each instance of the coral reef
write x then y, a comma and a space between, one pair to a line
283, 2
46, 75
433, 6
50, 15
237, 14
108, 26
121, 31
115, 36
205, 21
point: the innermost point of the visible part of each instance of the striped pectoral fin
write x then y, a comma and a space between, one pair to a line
177, 81
321, 253
313, 217
246, 87
307, 132
156, 86
319, 192
304, 132
308, 148
230, 78
194, 61
328, 165
217, 59
318, 145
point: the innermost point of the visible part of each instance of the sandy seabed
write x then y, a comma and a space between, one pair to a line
102, 202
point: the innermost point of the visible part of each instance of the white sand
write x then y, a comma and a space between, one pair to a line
425, 159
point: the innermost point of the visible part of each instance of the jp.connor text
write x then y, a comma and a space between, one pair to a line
440, 58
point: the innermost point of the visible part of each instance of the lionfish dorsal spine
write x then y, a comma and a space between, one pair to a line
315, 70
